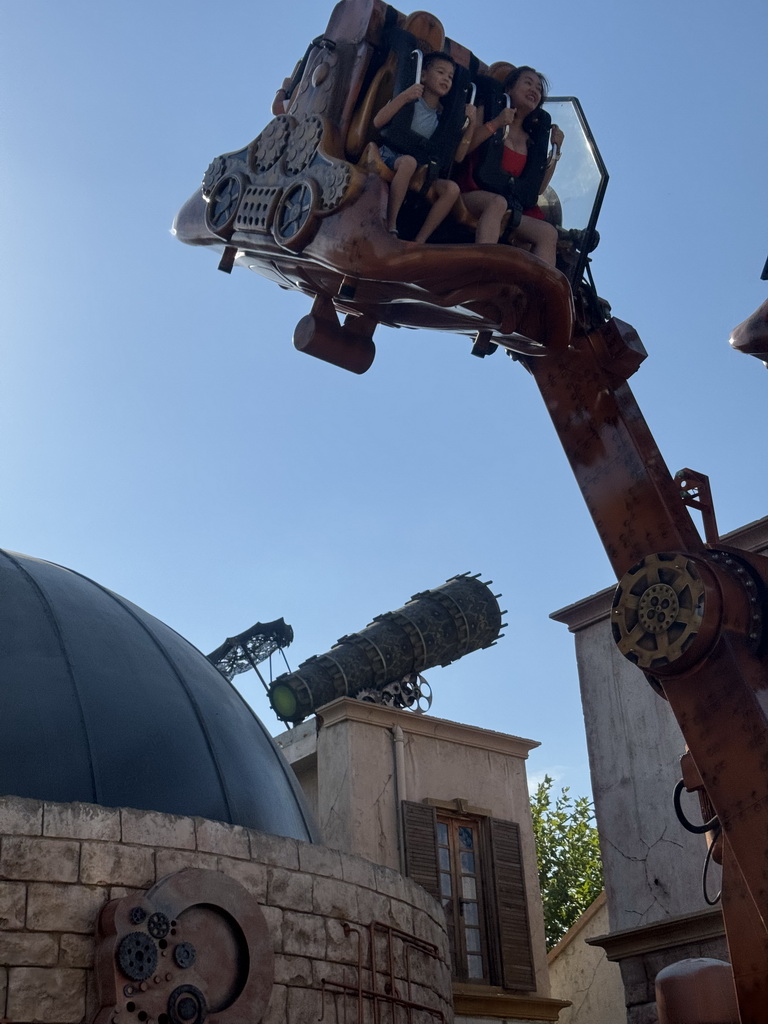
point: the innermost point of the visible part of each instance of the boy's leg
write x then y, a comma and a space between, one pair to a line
447, 194
405, 168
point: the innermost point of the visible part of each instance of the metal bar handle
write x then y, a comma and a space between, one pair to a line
471, 101
419, 64
508, 100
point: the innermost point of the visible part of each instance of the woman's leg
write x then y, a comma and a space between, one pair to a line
447, 194
541, 235
405, 168
489, 209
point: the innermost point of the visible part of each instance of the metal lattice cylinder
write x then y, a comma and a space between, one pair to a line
435, 627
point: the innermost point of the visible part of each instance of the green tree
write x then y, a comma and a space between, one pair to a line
568, 852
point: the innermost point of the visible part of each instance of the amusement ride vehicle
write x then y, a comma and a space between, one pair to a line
305, 204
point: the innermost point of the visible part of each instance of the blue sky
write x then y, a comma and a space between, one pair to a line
162, 436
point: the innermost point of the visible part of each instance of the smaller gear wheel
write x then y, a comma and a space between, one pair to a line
214, 171
158, 925
270, 145
137, 915
184, 954
334, 184
423, 697
302, 144
369, 696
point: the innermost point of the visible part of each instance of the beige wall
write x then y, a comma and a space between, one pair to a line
583, 974
358, 795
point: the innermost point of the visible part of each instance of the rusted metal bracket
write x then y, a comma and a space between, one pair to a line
696, 493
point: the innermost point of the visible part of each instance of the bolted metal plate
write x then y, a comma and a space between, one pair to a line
658, 608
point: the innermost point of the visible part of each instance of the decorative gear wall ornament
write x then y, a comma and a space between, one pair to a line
219, 962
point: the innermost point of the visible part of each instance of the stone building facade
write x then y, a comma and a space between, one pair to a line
447, 804
61, 863
652, 867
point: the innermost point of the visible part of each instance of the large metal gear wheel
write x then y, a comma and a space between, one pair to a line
659, 610
137, 956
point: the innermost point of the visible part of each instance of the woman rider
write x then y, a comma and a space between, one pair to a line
489, 195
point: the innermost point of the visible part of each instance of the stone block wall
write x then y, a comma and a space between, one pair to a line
60, 863
639, 975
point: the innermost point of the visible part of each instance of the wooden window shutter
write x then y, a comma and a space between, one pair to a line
419, 833
514, 934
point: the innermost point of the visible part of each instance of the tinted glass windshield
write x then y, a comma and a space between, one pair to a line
578, 185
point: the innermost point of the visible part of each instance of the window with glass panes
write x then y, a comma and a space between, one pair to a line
461, 893
473, 864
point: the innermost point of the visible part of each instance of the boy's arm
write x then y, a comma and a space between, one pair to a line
397, 103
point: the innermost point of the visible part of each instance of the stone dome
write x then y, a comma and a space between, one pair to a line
102, 703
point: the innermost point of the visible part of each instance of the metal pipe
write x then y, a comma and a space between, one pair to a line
398, 745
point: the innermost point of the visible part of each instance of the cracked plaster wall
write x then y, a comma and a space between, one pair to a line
357, 807
652, 866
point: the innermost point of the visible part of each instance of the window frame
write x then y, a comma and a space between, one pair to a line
454, 914
508, 937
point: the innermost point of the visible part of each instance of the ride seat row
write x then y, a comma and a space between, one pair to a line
427, 34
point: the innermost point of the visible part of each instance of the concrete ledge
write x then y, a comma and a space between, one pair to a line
486, 1001
661, 935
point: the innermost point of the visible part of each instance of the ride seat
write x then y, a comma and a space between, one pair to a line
500, 69
361, 142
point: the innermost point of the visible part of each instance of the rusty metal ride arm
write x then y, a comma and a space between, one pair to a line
687, 613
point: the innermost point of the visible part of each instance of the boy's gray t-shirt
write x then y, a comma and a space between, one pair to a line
425, 119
